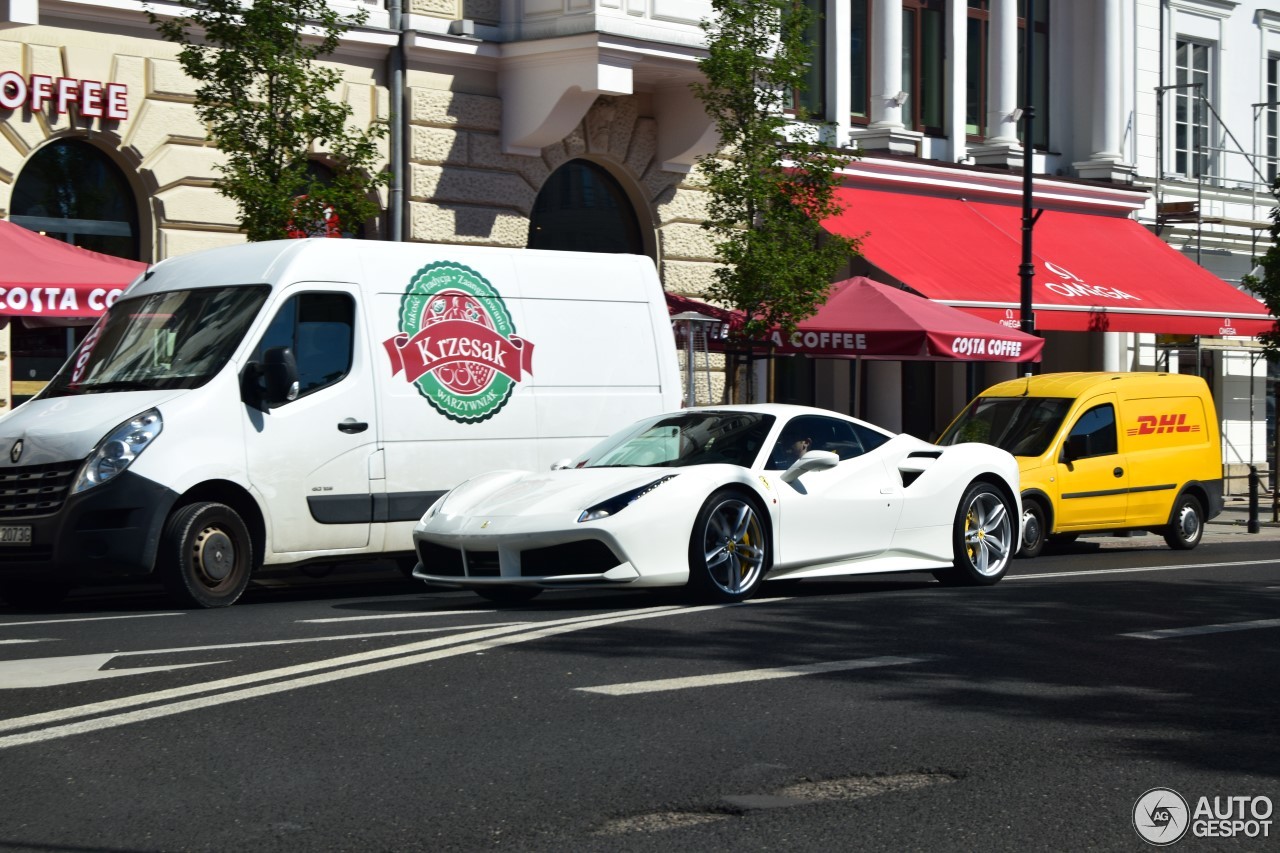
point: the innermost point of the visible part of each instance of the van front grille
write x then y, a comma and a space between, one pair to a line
35, 489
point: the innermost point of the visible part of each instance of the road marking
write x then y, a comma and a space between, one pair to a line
12, 642
86, 619
746, 675
304, 675
71, 669
1221, 628
394, 616
1137, 570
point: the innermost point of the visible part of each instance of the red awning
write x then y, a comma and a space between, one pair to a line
865, 319
1092, 272
43, 277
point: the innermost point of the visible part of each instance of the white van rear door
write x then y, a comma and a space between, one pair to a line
310, 459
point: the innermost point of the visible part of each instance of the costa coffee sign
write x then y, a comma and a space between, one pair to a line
91, 99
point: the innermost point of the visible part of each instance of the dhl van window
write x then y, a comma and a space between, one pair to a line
1094, 434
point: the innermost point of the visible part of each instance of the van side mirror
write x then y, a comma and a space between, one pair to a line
814, 460
1075, 447
281, 373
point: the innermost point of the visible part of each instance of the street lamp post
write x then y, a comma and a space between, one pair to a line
1027, 269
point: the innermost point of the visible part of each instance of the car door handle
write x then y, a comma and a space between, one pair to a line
353, 425
1119, 472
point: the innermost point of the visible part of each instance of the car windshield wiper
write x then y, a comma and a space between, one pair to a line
621, 465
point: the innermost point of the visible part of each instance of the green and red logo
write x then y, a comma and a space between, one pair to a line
457, 343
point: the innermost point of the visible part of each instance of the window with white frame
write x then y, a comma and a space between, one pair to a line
1271, 123
1193, 67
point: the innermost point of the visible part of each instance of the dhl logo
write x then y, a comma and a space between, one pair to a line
1152, 425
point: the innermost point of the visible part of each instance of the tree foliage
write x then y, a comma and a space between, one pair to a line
772, 182
268, 104
1267, 286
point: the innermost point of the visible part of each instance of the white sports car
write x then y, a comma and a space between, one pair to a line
719, 499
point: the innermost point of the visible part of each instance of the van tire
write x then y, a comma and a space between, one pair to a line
1034, 533
206, 555
1186, 525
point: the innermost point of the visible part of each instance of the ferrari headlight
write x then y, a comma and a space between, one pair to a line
617, 504
117, 451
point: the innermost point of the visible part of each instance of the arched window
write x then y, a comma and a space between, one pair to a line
71, 191
582, 208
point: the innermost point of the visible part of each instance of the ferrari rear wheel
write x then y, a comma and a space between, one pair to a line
983, 538
508, 594
729, 549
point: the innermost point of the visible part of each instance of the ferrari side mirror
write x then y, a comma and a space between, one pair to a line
814, 460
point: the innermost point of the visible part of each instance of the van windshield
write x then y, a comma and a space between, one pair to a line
161, 341
1024, 426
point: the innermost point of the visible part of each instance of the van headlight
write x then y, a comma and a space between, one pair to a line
118, 450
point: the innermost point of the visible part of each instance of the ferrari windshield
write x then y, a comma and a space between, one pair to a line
1024, 426
680, 440
175, 339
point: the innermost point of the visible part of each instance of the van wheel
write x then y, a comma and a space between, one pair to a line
508, 594
983, 539
206, 555
1186, 525
1033, 530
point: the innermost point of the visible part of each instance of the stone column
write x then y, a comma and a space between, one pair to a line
1001, 147
1105, 163
886, 131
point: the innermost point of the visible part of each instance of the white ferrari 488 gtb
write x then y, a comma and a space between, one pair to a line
720, 499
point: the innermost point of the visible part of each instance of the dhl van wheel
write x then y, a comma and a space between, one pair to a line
1034, 532
1186, 525
205, 555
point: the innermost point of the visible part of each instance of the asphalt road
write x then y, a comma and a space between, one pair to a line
884, 713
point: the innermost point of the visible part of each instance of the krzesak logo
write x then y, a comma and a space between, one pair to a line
457, 343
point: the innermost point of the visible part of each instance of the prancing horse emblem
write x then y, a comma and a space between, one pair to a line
15, 452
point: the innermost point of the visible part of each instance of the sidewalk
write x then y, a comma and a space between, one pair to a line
1234, 519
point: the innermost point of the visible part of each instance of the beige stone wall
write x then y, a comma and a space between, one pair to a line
161, 147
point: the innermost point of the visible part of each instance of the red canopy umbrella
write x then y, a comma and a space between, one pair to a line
43, 277
865, 319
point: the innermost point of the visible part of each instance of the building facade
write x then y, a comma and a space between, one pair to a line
570, 124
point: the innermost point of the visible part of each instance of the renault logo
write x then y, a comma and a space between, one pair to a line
15, 452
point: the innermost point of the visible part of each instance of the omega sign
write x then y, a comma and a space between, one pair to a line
91, 98
1072, 287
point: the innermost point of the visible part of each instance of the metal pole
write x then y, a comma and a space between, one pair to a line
1027, 270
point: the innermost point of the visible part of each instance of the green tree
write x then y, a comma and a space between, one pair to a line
772, 182
268, 104
1267, 286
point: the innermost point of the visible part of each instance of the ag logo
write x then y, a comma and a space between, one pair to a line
1160, 816
457, 343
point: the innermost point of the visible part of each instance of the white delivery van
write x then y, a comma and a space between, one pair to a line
305, 401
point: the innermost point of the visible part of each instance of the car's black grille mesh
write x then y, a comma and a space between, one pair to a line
35, 489
586, 557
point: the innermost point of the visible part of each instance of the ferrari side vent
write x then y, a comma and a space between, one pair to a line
915, 464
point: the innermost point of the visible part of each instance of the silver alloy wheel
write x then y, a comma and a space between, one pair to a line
733, 544
988, 534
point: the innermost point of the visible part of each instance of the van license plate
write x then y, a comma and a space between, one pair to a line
10, 535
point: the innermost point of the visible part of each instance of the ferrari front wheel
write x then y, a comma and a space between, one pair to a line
983, 538
729, 549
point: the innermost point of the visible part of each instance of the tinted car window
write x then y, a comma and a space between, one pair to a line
319, 328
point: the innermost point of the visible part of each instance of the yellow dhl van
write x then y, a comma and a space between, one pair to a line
1102, 452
